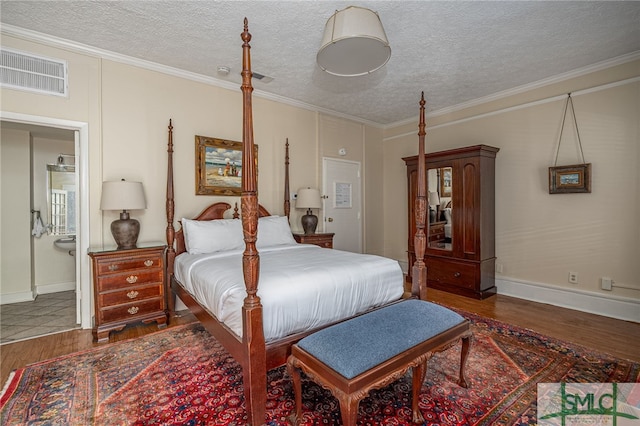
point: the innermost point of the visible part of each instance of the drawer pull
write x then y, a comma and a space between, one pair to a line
133, 310
132, 294
457, 274
148, 262
132, 279
113, 267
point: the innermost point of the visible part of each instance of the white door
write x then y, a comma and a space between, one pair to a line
342, 191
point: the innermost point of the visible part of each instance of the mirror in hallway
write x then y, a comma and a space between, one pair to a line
61, 197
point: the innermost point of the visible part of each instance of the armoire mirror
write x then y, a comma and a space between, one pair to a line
440, 184
61, 194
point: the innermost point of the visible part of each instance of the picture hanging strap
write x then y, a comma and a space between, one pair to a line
575, 121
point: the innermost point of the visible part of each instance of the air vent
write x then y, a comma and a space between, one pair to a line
25, 71
262, 78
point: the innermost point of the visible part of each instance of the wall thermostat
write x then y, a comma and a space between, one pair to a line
342, 151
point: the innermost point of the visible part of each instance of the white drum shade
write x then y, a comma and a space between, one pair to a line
308, 198
122, 195
354, 43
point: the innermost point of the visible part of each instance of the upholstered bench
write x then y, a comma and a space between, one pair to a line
372, 350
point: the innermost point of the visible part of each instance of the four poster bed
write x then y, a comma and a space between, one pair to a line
303, 288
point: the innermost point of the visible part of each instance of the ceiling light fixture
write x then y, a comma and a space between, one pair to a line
354, 43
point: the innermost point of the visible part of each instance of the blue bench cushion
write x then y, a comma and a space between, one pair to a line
359, 344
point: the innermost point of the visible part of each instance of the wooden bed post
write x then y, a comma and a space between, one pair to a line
419, 271
254, 367
171, 232
287, 201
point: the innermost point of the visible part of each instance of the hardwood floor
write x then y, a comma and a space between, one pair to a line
604, 334
619, 338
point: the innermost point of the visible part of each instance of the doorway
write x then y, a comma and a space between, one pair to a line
81, 157
342, 189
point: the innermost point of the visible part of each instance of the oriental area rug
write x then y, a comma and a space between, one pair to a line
183, 376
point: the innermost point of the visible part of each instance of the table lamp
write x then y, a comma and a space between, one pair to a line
125, 196
309, 198
434, 200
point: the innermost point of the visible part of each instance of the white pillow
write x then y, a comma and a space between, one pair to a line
209, 236
274, 231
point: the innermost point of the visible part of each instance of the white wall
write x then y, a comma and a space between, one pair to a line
128, 108
29, 265
53, 269
135, 136
15, 217
373, 178
540, 237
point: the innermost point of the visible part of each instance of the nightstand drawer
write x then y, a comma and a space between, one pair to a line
131, 311
436, 231
449, 272
130, 295
118, 281
109, 267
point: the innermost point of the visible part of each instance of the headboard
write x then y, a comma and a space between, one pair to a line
214, 211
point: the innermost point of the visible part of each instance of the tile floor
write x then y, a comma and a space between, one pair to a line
48, 314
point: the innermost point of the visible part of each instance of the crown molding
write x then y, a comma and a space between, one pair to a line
85, 49
619, 60
73, 46
520, 106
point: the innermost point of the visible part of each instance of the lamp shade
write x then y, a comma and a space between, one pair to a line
354, 43
122, 195
308, 198
434, 199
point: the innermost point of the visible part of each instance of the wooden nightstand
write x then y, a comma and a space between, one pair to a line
128, 286
436, 231
322, 240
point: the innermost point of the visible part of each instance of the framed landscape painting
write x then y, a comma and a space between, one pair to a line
570, 179
219, 166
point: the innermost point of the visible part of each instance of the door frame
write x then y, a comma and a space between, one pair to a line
325, 183
83, 277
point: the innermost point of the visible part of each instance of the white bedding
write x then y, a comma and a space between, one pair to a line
301, 286
447, 230
447, 226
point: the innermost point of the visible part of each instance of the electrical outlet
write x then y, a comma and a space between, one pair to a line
499, 268
573, 277
606, 283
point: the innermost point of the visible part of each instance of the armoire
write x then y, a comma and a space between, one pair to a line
460, 251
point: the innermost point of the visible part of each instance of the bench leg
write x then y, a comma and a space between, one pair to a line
297, 390
348, 408
418, 374
464, 353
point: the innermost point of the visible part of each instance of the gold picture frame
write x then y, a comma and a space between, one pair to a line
219, 166
570, 179
445, 181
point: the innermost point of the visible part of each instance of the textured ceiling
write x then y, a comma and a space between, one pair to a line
454, 51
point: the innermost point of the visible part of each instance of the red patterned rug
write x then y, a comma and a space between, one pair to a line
182, 376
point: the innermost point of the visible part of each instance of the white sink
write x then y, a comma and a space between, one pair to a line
66, 243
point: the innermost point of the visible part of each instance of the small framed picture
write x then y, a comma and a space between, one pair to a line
570, 179
445, 181
219, 166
